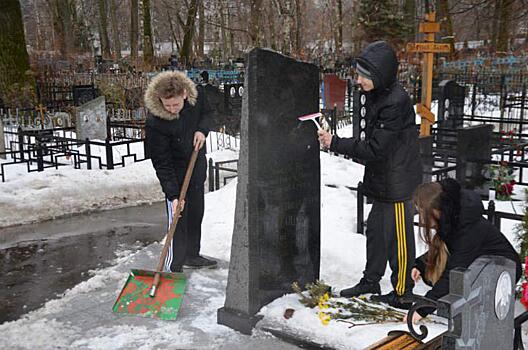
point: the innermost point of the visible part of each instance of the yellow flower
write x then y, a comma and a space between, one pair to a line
322, 302
325, 319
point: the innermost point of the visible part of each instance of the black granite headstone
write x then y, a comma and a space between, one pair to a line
480, 305
473, 155
451, 104
233, 98
426, 154
83, 94
359, 114
276, 236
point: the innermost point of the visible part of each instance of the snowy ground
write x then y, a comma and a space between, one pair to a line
82, 318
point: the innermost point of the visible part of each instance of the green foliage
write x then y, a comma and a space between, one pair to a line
522, 229
315, 292
380, 20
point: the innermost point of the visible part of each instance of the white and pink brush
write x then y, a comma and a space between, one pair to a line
313, 117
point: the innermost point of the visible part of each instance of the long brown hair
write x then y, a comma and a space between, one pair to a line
428, 196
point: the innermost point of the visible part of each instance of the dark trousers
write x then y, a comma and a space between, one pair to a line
390, 237
186, 240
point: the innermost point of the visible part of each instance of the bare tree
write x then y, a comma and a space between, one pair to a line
185, 52
446, 23
201, 28
115, 30
148, 48
14, 60
103, 29
62, 26
254, 22
339, 27
134, 30
503, 34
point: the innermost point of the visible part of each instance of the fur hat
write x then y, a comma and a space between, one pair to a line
162, 81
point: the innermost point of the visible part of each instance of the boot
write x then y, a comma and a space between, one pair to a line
364, 286
392, 299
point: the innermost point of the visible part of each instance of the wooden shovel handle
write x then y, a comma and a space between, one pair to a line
176, 216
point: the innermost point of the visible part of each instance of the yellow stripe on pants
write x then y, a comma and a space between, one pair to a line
404, 236
399, 213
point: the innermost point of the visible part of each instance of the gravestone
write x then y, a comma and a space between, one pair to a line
334, 92
276, 236
233, 93
473, 155
359, 114
480, 305
426, 154
2, 140
83, 93
451, 104
61, 120
91, 120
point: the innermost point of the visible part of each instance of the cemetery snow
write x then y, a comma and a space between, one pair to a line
82, 317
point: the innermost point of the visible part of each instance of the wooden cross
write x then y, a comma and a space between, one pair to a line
428, 48
41, 109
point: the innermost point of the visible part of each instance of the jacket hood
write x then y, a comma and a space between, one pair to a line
152, 100
381, 61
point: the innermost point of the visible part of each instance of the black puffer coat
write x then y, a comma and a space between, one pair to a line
390, 150
169, 137
473, 236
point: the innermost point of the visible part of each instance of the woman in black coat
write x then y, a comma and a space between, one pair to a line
462, 235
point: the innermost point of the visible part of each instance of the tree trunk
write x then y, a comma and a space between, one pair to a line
299, 12
254, 22
223, 30
446, 23
503, 36
339, 28
134, 13
103, 30
62, 26
409, 15
41, 45
148, 46
115, 30
272, 29
16, 84
201, 28
495, 24
185, 53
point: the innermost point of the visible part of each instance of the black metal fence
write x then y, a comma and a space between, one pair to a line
40, 149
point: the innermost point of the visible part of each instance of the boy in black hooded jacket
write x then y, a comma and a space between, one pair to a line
390, 152
178, 122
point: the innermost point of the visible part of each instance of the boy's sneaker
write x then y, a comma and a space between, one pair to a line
364, 286
177, 268
198, 262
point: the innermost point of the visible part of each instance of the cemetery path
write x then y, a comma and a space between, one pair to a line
62, 278
40, 261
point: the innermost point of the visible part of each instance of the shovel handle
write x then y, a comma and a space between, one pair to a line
175, 219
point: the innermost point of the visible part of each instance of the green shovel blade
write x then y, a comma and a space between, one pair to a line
134, 299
